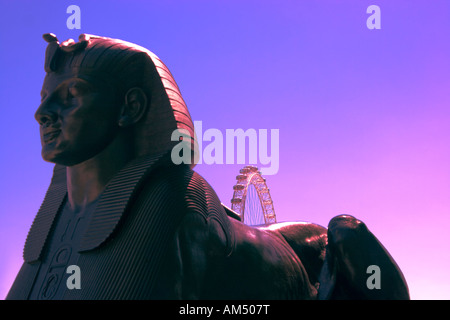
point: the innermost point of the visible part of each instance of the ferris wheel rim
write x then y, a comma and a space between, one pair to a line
248, 176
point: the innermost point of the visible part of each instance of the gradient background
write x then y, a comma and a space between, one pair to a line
363, 114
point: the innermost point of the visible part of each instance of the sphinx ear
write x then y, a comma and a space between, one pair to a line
134, 107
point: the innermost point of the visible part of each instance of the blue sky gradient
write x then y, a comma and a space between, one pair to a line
363, 115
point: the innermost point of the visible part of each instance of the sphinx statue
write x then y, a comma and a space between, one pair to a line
139, 226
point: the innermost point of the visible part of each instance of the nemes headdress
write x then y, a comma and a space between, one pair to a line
126, 65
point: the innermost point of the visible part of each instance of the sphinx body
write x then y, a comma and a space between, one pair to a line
289, 260
139, 226
191, 249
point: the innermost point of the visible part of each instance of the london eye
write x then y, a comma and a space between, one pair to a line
251, 198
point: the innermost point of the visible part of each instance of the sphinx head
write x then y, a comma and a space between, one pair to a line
99, 88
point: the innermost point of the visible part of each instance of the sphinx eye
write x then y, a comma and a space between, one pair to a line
77, 89
68, 95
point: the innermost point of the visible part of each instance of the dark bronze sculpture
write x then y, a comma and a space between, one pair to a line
140, 227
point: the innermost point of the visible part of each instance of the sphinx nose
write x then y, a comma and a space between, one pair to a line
45, 115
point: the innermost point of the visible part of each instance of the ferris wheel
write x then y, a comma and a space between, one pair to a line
251, 198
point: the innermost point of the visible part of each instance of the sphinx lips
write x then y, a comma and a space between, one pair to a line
50, 136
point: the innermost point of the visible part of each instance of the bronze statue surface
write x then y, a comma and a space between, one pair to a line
141, 227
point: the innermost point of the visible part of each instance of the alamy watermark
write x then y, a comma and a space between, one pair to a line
374, 20
374, 280
74, 280
74, 20
236, 146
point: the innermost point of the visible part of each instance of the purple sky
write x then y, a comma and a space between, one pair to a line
363, 115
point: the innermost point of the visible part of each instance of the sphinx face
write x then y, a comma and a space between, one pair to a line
78, 118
